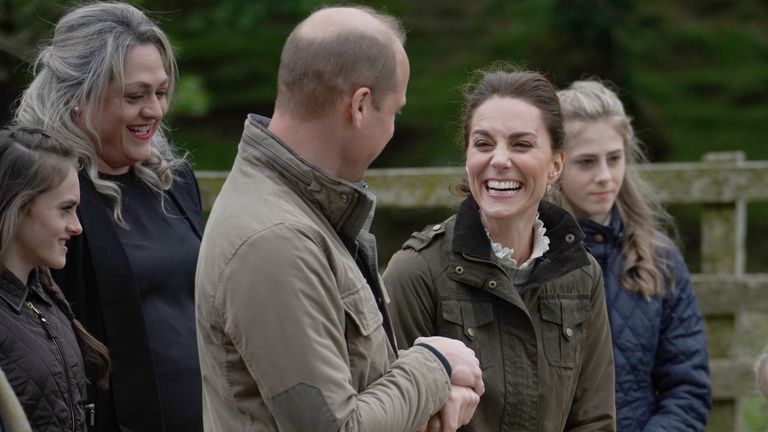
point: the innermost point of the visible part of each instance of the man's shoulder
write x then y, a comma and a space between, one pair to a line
255, 208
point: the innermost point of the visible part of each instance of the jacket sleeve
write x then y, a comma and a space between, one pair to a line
412, 305
281, 306
681, 370
594, 402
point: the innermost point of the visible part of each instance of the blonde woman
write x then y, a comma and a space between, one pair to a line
659, 344
103, 85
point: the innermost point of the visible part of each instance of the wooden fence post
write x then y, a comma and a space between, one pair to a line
723, 251
724, 227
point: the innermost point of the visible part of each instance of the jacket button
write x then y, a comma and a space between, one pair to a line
344, 197
470, 332
599, 238
436, 227
492, 284
459, 270
568, 332
570, 238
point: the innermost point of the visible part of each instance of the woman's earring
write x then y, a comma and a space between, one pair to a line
549, 187
76, 109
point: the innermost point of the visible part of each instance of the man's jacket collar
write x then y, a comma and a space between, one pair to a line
347, 206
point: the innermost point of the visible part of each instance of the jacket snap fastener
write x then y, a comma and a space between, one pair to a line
436, 227
344, 197
599, 238
570, 238
492, 284
470, 332
459, 270
568, 332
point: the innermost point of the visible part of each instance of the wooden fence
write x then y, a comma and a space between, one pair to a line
734, 303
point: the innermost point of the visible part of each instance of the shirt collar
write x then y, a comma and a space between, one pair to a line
540, 245
15, 293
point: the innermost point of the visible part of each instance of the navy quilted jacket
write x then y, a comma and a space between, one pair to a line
659, 346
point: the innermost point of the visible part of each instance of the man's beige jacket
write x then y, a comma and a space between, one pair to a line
290, 335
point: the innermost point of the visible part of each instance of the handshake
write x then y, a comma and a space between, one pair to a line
466, 385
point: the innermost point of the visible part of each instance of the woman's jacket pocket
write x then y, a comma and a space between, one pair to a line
473, 323
563, 326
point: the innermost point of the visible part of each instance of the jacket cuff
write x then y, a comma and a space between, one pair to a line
439, 356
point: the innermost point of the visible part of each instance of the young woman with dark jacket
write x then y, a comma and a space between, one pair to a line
40, 341
659, 344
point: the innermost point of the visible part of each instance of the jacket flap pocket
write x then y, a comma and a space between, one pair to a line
566, 310
550, 310
467, 313
361, 308
451, 311
477, 314
575, 309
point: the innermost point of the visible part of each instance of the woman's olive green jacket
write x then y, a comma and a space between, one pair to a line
544, 345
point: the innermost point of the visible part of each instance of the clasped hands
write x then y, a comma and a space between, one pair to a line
466, 385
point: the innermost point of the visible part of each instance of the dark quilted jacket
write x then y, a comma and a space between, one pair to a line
659, 346
43, 365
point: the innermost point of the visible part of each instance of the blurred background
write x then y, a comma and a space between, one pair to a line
693, 74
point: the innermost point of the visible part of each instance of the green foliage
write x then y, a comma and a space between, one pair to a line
191, 97
693, 74
755, 419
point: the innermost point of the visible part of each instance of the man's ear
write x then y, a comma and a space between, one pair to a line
360, 105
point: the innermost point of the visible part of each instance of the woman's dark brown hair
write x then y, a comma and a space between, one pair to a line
506, 81
31, 162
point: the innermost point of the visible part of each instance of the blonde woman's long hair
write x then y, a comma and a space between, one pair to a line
644, 218
72, 73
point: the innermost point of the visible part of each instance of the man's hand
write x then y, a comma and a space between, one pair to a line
457, 411
464, 364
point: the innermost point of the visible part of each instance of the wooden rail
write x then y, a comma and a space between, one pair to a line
735, 304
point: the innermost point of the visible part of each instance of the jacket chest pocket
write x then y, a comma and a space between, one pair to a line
473, 323
563, 326
365, 337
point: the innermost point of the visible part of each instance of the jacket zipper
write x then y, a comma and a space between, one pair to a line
47, 330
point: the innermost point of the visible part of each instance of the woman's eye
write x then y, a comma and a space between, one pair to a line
584, 162
161, 94
481, 143
133, 98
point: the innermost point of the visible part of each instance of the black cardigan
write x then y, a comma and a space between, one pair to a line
98, 283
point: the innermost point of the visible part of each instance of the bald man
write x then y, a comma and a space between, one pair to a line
292, 324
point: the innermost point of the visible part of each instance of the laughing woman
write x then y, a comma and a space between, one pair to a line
103, 85
39, 338
509, 274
